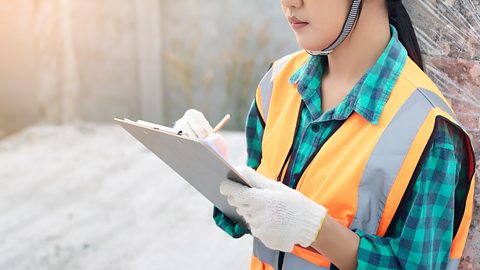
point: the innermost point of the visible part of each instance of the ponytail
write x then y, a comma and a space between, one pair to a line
398, 17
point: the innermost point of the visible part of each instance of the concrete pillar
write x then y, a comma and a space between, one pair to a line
18, 103
149, 47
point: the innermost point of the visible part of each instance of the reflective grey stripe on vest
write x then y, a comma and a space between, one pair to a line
379, 174
436, 101
388, 156
290, 261
453, 264
266, 84
265, 254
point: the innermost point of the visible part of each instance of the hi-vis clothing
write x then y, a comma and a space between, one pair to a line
363, 170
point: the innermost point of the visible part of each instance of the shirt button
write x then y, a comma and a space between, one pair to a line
315, 128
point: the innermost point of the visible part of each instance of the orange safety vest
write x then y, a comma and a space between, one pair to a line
381, 158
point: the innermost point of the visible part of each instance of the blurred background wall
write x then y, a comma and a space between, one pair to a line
89, 60
67, 60
71, 61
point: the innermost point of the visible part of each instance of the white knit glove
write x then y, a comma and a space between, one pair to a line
195, 125
277, 215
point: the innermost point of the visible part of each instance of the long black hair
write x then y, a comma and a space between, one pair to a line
398, 17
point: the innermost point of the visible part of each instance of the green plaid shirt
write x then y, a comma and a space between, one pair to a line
420, 234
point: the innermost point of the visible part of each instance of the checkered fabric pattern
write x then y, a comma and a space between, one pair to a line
420, 234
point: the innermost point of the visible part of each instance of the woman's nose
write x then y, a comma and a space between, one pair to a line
292, 3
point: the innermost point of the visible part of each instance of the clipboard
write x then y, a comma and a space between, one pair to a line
193, 159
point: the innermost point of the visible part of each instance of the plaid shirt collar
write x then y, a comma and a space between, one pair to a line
370, 93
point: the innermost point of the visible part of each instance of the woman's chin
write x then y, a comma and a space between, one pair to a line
308, 46
312, 48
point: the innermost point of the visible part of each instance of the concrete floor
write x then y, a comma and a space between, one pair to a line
92, 197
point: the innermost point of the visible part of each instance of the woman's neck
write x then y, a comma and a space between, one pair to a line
361, 49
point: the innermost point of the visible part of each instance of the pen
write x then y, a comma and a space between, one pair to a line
222, 123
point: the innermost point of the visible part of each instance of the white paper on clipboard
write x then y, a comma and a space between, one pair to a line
193, 159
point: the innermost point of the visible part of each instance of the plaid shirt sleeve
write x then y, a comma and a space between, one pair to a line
254, 132
420, 235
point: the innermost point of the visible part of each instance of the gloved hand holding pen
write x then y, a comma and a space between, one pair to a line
279, 216
195, 125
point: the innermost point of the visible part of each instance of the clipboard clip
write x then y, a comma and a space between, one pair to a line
181, 133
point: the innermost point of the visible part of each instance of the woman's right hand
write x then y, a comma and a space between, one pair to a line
195, 125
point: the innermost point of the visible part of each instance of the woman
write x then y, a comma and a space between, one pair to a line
355, 159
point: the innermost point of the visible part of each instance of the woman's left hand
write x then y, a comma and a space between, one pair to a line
277, 215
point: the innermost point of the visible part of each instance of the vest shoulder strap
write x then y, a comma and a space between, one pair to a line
265, 88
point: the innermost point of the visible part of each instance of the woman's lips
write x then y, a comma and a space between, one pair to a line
296, 23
